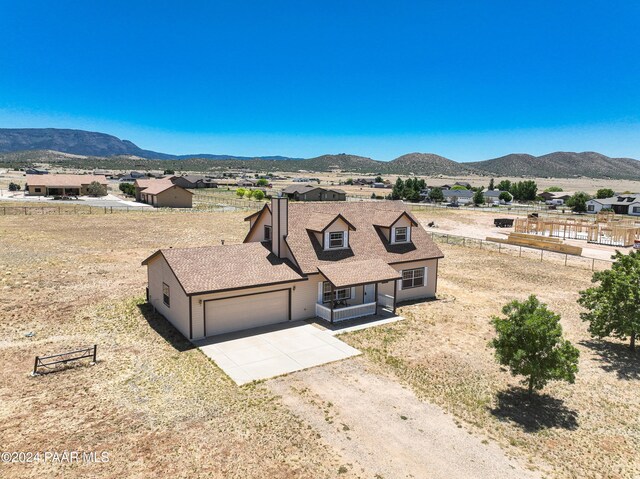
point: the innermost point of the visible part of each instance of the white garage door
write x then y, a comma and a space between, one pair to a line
246, 312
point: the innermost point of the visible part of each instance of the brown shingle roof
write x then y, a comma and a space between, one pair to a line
216, 268
358, 272
64, 180
366, 242
319, 221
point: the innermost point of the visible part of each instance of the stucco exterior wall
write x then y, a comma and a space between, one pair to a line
174, 197
426, 291
257, 233
177, 313
303, 299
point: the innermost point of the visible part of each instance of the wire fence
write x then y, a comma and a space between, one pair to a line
561, 259
106, 210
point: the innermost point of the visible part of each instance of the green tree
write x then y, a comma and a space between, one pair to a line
169, 172
504, 185
258, 195
436, 195
524, 190
398, 190
249, 193
553, 189
96, 189
127, 189
578, 202
604, 193
505, 196
412, 194
529, 341
240, 192
478, 198
14, 186
458, 187
491, 185
379, 179
262, 182
349, 181
613, 305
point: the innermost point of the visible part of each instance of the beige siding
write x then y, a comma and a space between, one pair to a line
303, 299
174, 197
177, 313
257, 234
426, 291
33, 192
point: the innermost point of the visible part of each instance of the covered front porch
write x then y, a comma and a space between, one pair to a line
356, 289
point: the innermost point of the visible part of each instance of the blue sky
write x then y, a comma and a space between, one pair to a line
467, 80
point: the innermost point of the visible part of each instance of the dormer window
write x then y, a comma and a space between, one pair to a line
336, 239
401, 234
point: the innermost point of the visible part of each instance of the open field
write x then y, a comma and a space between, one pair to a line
162, 409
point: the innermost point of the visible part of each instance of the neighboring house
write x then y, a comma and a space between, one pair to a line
621, 204
193, 181
492, 197
313, 193
364, 181
62, 185
463, 183
298, 261
36, 171
163, 194
247, 182
460, 197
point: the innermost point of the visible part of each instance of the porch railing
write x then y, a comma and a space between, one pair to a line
350, 312
385, 300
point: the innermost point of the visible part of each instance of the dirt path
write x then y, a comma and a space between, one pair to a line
384, 430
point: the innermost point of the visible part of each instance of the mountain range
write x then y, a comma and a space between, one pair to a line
100, 150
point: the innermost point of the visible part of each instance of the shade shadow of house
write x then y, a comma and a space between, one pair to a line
164, 328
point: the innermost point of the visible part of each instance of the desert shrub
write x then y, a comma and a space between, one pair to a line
14, 186
258, 195
96, 189
241, 192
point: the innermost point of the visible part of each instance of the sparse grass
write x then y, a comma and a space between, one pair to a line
158, 406
440, 350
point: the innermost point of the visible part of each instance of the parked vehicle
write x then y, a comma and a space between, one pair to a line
503, 222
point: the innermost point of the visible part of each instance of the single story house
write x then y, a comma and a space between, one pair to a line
193, 181
62, 185
492, 197
621, 204
163, 194
313, 193
36, 171
298, 261
460, 197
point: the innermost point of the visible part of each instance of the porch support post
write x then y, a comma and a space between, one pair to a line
333, 298
375, 295
395, 292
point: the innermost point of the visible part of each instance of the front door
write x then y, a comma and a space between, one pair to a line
369, 293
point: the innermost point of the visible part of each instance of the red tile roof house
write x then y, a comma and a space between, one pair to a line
298, 261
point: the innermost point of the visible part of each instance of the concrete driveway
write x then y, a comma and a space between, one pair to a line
271, 351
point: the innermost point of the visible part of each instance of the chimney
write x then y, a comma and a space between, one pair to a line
279, 225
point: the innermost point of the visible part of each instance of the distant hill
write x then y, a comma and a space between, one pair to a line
561, 164
89, 143
22, 146
429, 164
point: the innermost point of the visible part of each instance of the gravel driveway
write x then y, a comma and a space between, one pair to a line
383, 430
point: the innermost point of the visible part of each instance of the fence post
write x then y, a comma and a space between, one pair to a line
565, 258
25, 211
447, 239
35, 367
541, 253
95, 351
520, 255
593, 264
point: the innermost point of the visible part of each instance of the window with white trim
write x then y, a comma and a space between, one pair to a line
336, 239
166, 299
412, 278
591, 208
338, 294
401, 235
636, 209
267, 232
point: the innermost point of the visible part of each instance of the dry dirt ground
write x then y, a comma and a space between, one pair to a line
161, 408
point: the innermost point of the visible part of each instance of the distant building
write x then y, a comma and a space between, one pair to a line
313, 193
621, 204
62, 185
193, 181
36, 171
162, 194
